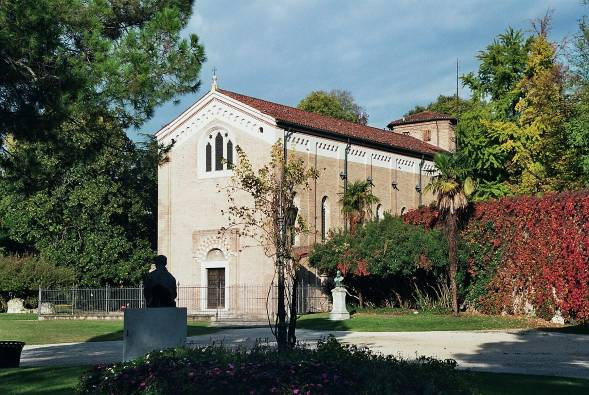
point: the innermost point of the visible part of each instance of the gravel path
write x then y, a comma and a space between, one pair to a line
517, 351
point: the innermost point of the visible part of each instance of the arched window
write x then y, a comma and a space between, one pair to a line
209, 155
379, 212
324, 217
229, 154
219, 152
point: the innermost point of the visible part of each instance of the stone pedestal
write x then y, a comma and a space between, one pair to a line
339, 312
152, 329
16, 306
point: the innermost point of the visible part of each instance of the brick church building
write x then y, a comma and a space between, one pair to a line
397, 160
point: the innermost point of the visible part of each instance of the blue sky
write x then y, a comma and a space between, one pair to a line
391, 55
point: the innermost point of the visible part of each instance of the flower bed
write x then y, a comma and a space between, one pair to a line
331, 368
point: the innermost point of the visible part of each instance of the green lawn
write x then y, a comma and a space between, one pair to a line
26, 327
40, 380
63, 380
406, 321
521, 384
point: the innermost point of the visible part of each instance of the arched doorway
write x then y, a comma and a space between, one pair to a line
214, 275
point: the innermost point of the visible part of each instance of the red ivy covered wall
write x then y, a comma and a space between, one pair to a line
527, 253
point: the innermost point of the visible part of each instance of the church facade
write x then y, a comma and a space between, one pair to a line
198, 166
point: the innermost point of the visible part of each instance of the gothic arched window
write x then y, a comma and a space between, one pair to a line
208, 154
219, 152
229, 154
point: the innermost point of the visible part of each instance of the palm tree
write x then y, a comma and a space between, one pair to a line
451, 187
357, 203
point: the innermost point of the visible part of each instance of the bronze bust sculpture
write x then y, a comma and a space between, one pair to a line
159, 287
339, 279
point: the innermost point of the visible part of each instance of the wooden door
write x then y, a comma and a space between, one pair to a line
215, 288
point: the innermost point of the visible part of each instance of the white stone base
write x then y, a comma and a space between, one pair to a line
152, 329
339, 312
16, 306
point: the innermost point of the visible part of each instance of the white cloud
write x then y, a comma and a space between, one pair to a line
390, 54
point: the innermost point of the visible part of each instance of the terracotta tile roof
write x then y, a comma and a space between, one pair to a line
305, 119
424, 116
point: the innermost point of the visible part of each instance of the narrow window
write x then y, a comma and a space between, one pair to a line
229, 154
324, 214
219, 152
427, 135
208, 155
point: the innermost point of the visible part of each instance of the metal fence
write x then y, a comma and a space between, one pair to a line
237, 301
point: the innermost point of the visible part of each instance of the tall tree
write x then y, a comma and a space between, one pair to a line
451, 186
502, 66
73, 76
516, 141
261, 207
335, 103
59, 57
577, 125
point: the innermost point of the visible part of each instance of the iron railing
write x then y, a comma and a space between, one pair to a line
237, 301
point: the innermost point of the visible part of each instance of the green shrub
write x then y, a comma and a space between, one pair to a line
388, 262
331, 368
21, 274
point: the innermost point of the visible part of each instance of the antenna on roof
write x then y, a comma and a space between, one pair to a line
214, 83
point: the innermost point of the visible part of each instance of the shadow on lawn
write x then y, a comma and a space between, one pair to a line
539, 351
581, 329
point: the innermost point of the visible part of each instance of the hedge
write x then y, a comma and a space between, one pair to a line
526, 254
21, 276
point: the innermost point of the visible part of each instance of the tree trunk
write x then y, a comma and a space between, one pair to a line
292, 323
281, 337
453, 260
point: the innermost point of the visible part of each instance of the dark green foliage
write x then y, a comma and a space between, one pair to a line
502, 66
578, 131
20, 274
73, 76
382, 248
335, 103
63, 56
480, 152
332, 368
21, 277
90, 207
386, 261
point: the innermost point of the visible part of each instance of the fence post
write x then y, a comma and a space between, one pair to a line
107, 298
73, 299
39, 303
